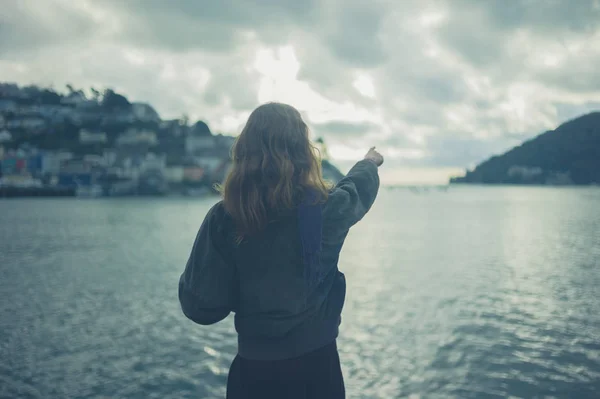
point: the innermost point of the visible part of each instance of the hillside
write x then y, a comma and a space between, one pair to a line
570, 154
71, 139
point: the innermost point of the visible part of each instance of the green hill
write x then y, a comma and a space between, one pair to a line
570, 154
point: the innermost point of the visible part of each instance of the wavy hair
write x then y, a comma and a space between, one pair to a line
275, 166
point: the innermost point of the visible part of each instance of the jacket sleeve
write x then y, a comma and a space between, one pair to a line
207, 286
352, 197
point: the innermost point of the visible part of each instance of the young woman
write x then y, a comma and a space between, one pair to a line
269, 252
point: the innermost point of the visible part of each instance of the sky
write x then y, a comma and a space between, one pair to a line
437, 85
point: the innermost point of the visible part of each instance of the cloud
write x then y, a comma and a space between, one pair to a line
30, 25
343, 129
219, 26
433, 83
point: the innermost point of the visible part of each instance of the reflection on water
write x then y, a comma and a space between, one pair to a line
470, 293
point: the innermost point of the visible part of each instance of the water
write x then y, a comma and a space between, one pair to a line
472, 293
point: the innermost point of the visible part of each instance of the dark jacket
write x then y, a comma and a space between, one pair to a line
283, 284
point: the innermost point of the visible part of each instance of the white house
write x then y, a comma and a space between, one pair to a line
209, 162
137, 137
133, 166
46, 110
199, 143
52, 161
95, 160
118, 117
26, 122
89, 137
525, 172
128, 170
20, 180
153, 162
76, 166
5, 136
174, 173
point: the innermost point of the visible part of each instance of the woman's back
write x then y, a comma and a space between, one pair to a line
287, 300
269, 251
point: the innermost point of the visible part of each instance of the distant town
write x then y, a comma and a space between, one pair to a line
102, 144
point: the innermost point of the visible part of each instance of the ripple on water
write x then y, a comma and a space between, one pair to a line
476, 293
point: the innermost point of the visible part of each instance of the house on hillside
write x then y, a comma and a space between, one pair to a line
92, 137
82, 175
132, 165
5, 136
7, 106
198, 144
137, 137
26, 122
153, 161
208, 162
193, 174
174, 173
52, 161
77, 166
45, 110
53, 114
210, 153
524, 172
96, 160
119, 117
174, 127
19, 163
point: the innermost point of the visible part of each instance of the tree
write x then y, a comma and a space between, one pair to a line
95, 94
73, 92
48, 96
184, 120
201, 128
112, 100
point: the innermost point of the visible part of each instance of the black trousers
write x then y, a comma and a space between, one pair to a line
314, 375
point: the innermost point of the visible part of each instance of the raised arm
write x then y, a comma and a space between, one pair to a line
354, 195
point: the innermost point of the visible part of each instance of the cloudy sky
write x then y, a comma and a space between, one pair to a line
436, 85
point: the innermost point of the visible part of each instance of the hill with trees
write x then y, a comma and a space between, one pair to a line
567, 155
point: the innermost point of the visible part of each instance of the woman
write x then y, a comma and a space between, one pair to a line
269, 253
